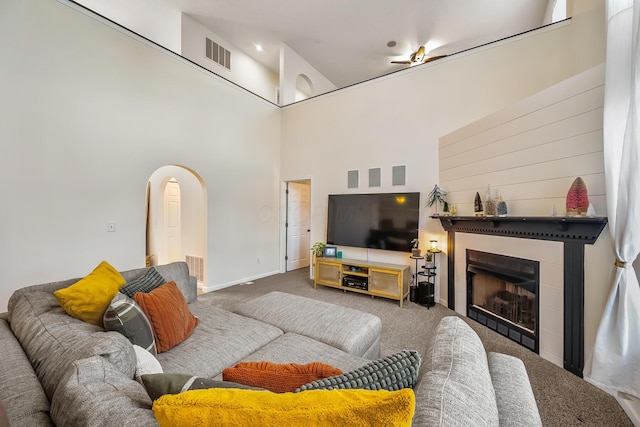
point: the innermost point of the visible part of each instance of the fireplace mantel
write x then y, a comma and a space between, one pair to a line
574, 232
559, 229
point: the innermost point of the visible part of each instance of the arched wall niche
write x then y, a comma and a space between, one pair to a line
187, 207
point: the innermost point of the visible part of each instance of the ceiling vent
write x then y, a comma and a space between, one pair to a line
218, 54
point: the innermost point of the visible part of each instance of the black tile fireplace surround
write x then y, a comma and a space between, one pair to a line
574, 232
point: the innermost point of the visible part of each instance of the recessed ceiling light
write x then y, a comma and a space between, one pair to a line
391, 43
259, 48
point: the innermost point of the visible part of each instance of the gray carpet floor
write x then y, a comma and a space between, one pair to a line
563, 399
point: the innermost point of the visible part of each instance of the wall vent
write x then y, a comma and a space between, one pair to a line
218, 54
196, 267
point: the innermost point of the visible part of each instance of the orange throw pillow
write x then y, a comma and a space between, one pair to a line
169, 315
278, 377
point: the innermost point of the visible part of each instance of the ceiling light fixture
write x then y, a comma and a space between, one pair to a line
259, 48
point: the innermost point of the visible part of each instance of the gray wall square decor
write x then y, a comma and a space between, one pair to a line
399, 175
374, 177
352, 179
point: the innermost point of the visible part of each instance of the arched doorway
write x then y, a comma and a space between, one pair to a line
177, 219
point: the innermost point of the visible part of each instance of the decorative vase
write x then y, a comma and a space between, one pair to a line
489, 203
415, 252
477, 205
577, 198
501, 209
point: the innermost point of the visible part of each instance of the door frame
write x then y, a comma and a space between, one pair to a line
284, 210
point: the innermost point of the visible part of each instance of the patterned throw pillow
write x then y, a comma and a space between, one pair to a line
171, 320
148, 282
160, 384
278, 377
391, 373
125, 316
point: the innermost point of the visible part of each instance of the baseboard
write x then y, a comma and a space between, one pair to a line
632, 409
205, 289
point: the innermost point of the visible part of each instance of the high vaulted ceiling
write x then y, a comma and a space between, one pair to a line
346, 40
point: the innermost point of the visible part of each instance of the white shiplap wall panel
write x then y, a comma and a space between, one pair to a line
556, 132
520, 122
514, 157
531, 151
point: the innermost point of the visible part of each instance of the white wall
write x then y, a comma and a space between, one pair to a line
84, 123
397, 120
245, 71
153, 20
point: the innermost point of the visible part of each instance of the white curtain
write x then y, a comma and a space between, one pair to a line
614, 364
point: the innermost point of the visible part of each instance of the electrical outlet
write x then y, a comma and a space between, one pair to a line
111, 226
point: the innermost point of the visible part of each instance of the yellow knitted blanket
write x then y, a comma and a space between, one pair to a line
235, 407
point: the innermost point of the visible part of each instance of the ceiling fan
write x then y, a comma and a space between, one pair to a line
419, 57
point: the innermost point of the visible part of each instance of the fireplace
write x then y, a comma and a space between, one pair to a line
574, 233
502, 294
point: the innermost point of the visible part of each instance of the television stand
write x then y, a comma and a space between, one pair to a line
377, 279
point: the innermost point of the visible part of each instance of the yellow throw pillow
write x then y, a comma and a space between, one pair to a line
88, 298
237, 408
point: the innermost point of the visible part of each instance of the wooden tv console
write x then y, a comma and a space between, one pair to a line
377, 279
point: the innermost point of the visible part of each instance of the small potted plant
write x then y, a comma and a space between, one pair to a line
318, 248
415, 250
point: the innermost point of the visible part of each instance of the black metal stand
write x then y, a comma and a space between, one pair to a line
424, 289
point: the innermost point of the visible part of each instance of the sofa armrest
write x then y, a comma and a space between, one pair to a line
514, 397
24, 400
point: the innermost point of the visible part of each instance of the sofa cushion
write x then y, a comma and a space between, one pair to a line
88, 298
125, 316
278, 377
171, 320
52, 339
24, 399
514, 396
92, 392
350, 330
458, 389
400, 370
148, 282
234, 407
160, 384
221, 339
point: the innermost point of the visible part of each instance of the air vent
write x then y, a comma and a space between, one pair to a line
218, 54
196, 267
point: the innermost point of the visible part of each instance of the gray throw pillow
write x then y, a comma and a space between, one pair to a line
125, 316
391, 373
148, 282
160, 384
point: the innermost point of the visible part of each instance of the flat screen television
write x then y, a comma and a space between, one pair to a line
387, 221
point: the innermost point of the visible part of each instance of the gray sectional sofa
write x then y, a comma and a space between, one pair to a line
58, 370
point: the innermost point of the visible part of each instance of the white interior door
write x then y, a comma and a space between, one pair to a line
173, 220
298, 220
